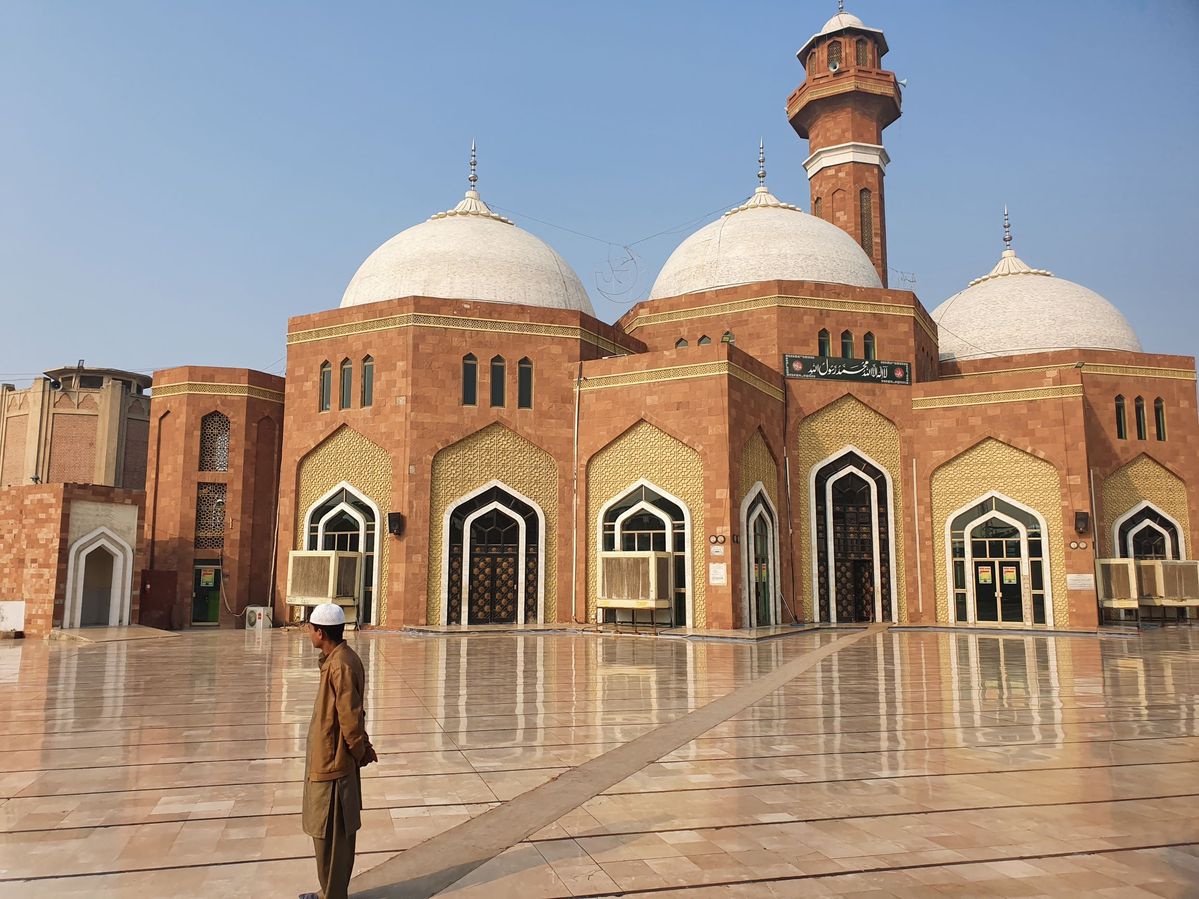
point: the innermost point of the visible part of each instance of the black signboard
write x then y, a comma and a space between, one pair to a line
834, 368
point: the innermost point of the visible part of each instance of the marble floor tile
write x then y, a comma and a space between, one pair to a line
911, 763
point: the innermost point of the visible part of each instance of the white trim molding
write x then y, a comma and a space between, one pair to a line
749, 611
121, 592
874, 508
445, 552
1140, 507
1025, 562
841, 154
687, 556
365, 500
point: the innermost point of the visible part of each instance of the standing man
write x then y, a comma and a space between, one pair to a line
338, 748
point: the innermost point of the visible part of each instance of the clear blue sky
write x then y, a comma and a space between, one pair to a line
179, 178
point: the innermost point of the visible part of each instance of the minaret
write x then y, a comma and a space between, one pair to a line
842, 107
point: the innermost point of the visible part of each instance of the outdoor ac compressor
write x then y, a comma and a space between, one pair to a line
258, 617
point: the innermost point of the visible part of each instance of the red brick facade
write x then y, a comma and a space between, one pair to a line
240, 544
36, 549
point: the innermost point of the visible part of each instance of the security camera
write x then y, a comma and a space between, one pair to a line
55, 384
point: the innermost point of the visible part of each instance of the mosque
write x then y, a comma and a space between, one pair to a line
774, 436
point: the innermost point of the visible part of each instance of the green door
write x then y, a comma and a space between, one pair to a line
761, 572
206, 594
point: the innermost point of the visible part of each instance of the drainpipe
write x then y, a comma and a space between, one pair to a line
574, 508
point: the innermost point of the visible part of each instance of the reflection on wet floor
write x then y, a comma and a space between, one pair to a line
914, 762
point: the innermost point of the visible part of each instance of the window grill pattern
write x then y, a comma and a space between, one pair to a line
1154, 536
863, 52
214, 442
210, 516
818, 208
866, 217
834, 53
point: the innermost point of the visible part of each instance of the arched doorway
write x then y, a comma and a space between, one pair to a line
344, 520
99, 589
851, 502
998, 551
494, 570
647, 519
1146, 532
759, 559
99, 581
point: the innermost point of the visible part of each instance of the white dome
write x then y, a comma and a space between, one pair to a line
764, 240
468, 253
1016, 309
842, 20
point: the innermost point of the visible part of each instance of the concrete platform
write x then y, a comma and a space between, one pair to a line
109, 634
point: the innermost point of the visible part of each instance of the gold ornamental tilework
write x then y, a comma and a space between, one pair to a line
1142, 479
647, 452
456, 322
205, 388
682, 373
995, 397
823, 434
346, 455
494, 453
992, 465
1090, 368
758, 465
781, 302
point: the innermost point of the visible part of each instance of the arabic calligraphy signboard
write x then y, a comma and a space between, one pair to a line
833, 368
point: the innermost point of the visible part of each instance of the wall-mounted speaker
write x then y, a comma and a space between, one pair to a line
395, 524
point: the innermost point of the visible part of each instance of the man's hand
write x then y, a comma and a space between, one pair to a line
368, 757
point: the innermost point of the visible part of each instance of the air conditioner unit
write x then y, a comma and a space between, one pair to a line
1117, 583
258, 618
320, 576
1166, 582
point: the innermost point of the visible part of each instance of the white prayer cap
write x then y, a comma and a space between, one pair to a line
327, 613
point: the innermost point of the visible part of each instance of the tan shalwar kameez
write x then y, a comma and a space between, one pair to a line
337, 742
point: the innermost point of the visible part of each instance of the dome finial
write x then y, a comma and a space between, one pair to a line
1007, 230
474, 164
761, 163
840, 6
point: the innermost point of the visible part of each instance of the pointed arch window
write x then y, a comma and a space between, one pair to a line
824, 343
346, 384
1142, 424
868, 350
1121, 421
470, 380
326, 387
497, 381
368, 381
214, 442
1159, 418
862, 50
704, 340
524, 384
847, 344
866, 220
680, 343
834, 54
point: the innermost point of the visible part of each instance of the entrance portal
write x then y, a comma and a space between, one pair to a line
97, 594
1000, 564
852, 503
494, 560
998, 591
761, 558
